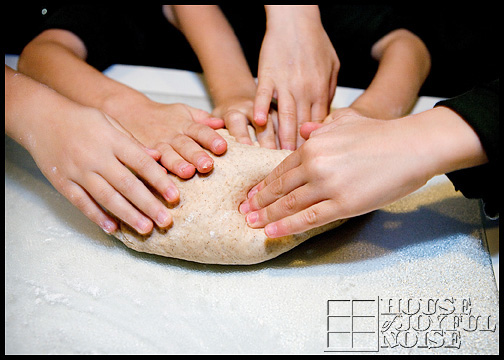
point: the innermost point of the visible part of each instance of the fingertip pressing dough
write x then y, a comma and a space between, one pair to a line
207, 226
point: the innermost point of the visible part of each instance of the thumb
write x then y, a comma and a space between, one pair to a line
308, 127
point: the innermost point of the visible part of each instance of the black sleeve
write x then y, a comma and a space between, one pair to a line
479, 107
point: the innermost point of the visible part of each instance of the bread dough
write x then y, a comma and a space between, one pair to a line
207, 226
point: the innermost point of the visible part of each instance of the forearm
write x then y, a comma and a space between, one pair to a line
292, 13
29, 105
444, 140
57, 59
219, 51
404, 63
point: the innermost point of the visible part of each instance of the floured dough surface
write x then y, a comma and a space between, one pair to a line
207, 226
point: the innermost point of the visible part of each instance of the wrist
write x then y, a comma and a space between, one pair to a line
222, 90
286, 18
124, 106
292, 12
445, 141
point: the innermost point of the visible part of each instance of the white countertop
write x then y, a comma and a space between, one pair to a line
70, 288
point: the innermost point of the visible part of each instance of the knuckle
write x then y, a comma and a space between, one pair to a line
234, 117
105, 196
78, 200
179, 141
263, 91
127, 183
276, 187
288, 113
259, 201
289, 202
310, 216
144, 163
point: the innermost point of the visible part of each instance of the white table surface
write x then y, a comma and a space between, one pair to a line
70, 288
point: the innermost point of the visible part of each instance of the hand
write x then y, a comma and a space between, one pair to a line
179, 132
87, 156
237, 113
346, 168
298, 66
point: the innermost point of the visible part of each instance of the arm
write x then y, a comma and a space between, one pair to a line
66, 139
354, 165
57, 58
230, 82
404, 63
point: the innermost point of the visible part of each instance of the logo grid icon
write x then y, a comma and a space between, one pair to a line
352, 325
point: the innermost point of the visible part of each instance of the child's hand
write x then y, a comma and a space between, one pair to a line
87, 156
346, 168
178, 132
237, 113
298, 66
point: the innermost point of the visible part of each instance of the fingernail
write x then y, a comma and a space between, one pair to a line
186, 169
270, 230
244, 208
171, 194
143, 225
260, 116
205, 164
163, 218
252, 217
108, 226
218, 146
252, 192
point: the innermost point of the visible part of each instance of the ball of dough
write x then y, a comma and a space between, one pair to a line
207, 226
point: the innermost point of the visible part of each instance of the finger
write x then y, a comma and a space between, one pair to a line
151, 152
237, 124
303, 113
213, 122
293, 202
319, 111
287, 122
207, 137
192, 152
278, 189
172, 161
333, 82
307, 128
314, 216
149, 170
290, 162
86, 204
112, 200
262, 101
138, 194
266, 134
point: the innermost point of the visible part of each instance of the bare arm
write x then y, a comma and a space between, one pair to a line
230, 81
57, 58
66, 139
404, 63
355, 165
